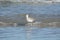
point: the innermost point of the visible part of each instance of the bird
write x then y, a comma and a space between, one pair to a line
29, 19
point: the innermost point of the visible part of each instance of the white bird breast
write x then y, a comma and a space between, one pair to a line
30, 20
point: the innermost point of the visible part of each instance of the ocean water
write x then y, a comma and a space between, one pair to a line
27, 32
31, 33
13, 8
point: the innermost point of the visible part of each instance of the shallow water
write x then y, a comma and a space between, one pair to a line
13, 8
32, 33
